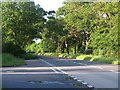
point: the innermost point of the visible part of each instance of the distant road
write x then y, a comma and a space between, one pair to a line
51, 72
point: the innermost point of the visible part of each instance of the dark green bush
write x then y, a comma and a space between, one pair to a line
28, 56
89, 51
10, 60
12, 48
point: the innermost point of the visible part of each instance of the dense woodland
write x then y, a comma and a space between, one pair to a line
77, 27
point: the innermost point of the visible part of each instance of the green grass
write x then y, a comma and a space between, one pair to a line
84, 57
28, 56
102, 59
10, 60
109, 60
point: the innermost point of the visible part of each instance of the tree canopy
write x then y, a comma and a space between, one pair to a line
77, 27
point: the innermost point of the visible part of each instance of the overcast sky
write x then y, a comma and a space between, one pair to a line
49, 4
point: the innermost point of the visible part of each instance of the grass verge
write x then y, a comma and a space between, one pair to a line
91, 58
10, 60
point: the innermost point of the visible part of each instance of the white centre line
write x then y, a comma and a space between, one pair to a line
53, 69
54, 66
99, 67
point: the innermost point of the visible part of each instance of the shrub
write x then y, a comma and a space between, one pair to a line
89, 51
28, 56
10, 60
12, 48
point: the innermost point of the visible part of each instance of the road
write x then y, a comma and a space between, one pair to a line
51, 72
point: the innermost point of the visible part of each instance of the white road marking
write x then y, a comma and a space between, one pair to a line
84, 82
90, 86
54, 70
97, 67
112, 70
53, 66
75, 78
79, 80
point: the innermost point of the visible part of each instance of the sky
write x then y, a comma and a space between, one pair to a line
49, 5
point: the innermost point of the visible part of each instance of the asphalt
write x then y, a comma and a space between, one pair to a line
36, 74
51, 72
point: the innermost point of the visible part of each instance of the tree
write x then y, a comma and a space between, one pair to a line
21, 22
104, 38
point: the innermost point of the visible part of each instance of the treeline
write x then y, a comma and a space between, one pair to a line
77, 27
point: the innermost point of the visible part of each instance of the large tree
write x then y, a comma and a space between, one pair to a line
21, 22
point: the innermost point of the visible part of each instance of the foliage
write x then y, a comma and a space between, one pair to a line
47, 45
28, 56
77, 27
10, 60
104, 39
21, 22
9, 47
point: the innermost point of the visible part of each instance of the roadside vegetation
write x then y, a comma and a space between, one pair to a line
28, 56
10, 60
80, 30
90, 57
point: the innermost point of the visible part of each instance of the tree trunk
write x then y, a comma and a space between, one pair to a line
79, 46
67, 46
75, 50
63, 47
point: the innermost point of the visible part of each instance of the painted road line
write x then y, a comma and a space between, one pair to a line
75, 78
60, 69
79, 80
90, 86
99, 67
53, 66
114, 71
54, 70
84, 83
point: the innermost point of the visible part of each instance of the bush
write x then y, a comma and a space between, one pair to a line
10, 60
28, 56
12, 49
89, 51
116, 62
